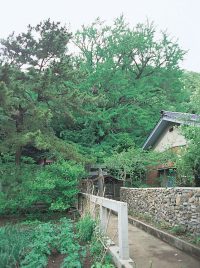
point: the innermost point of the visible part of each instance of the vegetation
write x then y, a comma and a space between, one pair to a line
13, 245
54, 186
189, 161
83, 107
29, 244
86, 227
97, 104
178, 229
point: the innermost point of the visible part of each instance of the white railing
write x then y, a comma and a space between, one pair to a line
121, 209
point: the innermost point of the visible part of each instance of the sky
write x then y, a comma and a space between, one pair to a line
181, 18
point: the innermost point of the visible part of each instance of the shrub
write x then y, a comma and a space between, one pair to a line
16, 187
85, 228
57, 184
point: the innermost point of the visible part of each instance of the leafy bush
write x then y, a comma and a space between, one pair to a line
68, 244
54, 185
89, 232
188, 163
16, 187
39, 248
131, 165
85, 228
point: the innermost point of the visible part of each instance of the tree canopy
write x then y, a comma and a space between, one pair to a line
84, 104
137, 75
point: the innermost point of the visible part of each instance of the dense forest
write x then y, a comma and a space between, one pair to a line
85, 97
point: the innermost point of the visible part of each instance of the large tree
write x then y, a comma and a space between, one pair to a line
135, 72
38, 91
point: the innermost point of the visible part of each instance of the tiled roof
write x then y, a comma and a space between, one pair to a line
181, 117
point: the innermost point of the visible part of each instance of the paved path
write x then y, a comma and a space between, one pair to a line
148, 251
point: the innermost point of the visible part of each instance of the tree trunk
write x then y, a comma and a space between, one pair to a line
19, 126
18, 154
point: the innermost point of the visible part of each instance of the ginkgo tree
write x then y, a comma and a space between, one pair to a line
137, 71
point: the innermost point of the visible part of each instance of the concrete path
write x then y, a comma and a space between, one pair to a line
150, 252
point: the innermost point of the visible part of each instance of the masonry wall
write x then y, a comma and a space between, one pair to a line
175, 206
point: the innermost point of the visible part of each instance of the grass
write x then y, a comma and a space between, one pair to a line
178, 230
13, 245
196, 240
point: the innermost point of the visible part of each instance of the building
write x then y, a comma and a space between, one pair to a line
110, 184
167, 136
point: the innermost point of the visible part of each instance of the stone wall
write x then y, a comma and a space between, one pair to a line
175, 206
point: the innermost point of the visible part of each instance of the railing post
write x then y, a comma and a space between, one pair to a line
121, 209
123, 232
103, 218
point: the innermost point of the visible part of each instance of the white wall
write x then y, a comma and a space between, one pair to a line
170, 139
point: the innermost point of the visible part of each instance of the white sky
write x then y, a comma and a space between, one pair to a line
181, 18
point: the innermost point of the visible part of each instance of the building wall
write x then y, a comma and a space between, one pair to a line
152, 174
170, 139
175, 206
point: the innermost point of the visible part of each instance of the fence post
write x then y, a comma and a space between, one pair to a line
103, 218
121, 209
123, 231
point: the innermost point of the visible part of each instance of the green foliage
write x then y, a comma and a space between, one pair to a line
191, 84
178, 230
60, 237
29, 245
13, 244
131, 165
70, 246
85, 227
39, 249
88, 232
188, 163
136, 73
37, 101
16, 192
56, 186
196, 240
97, 251
99, 265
